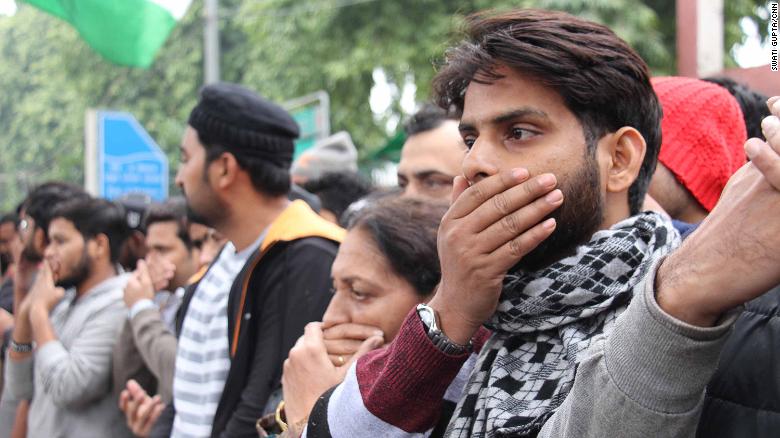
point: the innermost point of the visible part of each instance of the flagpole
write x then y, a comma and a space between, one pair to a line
211, 41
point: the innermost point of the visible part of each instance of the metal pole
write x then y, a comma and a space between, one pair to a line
211, 41
687, 43
699, 37
91, 171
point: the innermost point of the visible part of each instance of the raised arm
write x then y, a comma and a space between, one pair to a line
648, 377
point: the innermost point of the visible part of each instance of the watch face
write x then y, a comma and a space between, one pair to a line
426, 315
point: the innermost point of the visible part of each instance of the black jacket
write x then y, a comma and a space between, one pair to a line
286, 291
283, 286
743, 397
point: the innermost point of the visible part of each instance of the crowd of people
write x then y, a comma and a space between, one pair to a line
574, 249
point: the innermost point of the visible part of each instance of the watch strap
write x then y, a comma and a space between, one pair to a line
21, 348
443, 343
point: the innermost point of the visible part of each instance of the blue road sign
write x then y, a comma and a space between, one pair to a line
128, 159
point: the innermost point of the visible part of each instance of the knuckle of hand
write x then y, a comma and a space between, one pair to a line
511, 224
477, 193
532, 187
540, 209
516, 248
501, 203
450, 236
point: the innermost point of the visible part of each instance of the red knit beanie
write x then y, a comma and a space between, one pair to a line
703, 135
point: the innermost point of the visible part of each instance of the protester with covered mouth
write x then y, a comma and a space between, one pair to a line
386, 265
72, 317
600, 327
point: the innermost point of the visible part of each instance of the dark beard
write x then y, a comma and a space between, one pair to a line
193, 216
30, 255
580, 215
210, 216
79, 274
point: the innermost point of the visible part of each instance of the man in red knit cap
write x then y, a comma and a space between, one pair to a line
703, 133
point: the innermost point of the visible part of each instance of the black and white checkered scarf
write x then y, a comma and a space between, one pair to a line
546, 320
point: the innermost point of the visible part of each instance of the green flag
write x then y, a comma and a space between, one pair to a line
126, 32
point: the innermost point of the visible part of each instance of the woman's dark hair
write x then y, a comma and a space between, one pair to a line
602, 80
92, 217
404, 230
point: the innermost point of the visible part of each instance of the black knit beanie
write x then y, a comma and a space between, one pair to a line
243, 122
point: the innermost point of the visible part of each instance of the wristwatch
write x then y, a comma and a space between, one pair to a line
20, 348
439, 339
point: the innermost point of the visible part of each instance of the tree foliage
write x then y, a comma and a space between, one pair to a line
282, 48
50, 77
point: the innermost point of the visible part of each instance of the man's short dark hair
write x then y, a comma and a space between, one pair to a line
172, 210
43, 199
337, 190
751, 102
602, 80
267, 178
404, 229
428, 118
93, 217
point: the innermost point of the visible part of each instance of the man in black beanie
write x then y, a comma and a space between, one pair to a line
270, 280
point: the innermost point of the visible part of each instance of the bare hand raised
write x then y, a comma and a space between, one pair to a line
141, 411
734, 255
342, 341
308, 372
759, 151
44, 293
139, 285
490, 226
160, 271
